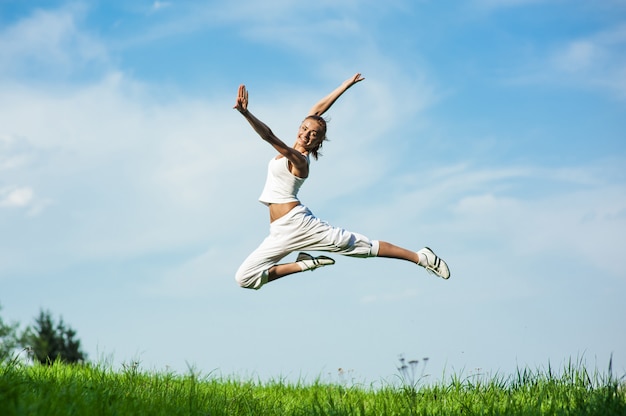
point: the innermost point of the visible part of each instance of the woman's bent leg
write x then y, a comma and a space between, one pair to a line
287, 234
254, 272
281, 270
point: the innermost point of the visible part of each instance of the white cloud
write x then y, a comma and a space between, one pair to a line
577, 56
279, 23
16, 197
597, 60
158, 5
48, 42
106, 143
570, 217
15, 155
587, 57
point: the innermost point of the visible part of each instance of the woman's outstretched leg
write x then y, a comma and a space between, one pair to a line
424, 257
391, 251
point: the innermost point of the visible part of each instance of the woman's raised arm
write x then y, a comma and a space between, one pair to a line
263, 130
325, 103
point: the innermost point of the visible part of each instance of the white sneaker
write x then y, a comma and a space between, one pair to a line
308, 262
434, 265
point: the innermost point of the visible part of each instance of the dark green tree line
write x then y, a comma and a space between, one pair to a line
45, 342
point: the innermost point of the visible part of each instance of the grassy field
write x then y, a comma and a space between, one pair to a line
92, 390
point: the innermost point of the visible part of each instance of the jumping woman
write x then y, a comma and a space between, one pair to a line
293, 227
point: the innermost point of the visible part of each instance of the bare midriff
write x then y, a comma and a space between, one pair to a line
279, 210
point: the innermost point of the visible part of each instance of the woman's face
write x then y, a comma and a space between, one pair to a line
311, 134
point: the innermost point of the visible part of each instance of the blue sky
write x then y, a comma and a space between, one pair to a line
491, 131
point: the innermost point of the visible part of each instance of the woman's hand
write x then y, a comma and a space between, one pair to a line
241, 104
353, 80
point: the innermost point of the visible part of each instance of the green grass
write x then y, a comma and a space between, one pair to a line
93, 390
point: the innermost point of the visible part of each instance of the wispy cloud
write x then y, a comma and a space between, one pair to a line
48, 42
159, 5
597, 61
593, 62
578, 212
13, 152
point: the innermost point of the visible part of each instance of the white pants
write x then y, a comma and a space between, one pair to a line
299, 229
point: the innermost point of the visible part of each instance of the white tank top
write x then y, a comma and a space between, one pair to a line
281, 185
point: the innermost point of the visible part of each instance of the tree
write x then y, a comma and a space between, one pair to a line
47, 341
8, 339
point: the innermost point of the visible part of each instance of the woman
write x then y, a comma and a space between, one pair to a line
292, 226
